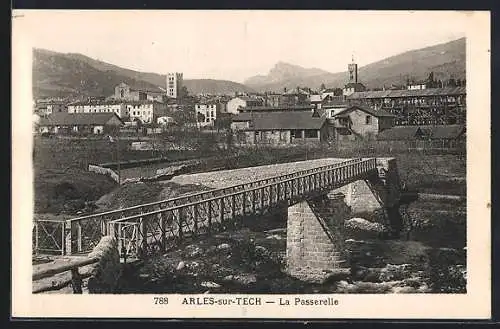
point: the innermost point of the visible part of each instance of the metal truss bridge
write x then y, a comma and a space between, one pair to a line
154, 227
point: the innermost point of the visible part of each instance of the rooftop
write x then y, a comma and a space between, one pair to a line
66, 119
113, 102
401, 133
409, 93
432, 132
355, 85
375, 113
281, 120
276, 108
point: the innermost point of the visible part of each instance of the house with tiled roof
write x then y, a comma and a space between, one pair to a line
356, 122
124, 91
280, 128
426, 136
145, 110
353, 87
403, 133
430, 106
83, 123
238, 102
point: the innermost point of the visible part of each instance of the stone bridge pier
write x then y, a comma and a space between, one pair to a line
315, 227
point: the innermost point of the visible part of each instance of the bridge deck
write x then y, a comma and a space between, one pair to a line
227, 178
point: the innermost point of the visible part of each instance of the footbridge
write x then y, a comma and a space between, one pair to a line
155, 227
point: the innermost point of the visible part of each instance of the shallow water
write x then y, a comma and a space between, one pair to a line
433, 253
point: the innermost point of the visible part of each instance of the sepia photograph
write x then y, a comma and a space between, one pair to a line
224, 156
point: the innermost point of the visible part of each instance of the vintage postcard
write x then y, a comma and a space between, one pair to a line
251, 164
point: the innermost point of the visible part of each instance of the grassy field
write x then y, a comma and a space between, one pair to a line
62, 182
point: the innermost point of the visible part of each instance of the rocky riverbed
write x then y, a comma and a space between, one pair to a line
251, 259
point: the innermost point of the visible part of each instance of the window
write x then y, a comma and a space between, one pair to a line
368, 120
311, 133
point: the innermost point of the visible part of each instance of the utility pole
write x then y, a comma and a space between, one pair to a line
118, 157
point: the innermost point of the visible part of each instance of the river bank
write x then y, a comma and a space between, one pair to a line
251, 259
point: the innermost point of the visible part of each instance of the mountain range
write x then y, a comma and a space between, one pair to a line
59, 75
445, 60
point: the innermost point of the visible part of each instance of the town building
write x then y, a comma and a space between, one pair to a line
145, 111
280, 108
430, 106
294, 97
427, 136
47, 107
272, 99
236, 103
124, 91
352, 88
89, 106
175, 82
353, 85
206, 114
417, 86
128, 110
166, 121
80, 123
279, 128
315, 100
357, 122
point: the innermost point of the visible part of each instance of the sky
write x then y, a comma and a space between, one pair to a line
235, 45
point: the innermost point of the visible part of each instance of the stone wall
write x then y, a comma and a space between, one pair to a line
311, 254
104, 171
106, 273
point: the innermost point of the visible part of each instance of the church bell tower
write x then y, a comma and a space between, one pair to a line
353, 71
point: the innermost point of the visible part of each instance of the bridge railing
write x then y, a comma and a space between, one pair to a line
48, 236
158, 230
81, 234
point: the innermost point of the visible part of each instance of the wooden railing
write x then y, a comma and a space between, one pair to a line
83, 233
76, 277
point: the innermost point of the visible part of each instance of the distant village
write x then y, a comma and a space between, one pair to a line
427, 109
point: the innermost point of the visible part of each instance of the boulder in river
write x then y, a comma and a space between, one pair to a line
364, 225
223, 246
180, 266
209, 284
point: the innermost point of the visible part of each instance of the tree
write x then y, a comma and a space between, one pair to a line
430, 80
200, 117
451, 82
183, 93
323, 87
337, 92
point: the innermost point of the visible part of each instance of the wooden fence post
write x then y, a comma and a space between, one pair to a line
79, 236
36, 237
66, 238
76, 281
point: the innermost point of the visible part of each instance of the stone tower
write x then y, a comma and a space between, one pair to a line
353, 71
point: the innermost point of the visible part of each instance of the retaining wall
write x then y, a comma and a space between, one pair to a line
104, 171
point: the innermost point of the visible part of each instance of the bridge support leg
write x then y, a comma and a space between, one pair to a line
312, 254
379, 191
